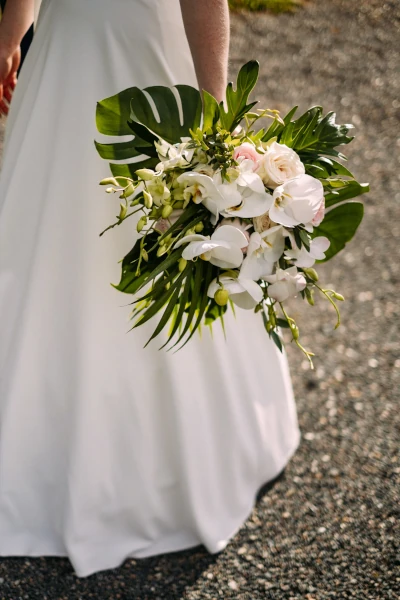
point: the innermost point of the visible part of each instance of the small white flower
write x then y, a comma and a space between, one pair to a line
297, 201
285, 284
245, 293
305, 258
158, 190
279, 164
173, 156
263, 252
223, 249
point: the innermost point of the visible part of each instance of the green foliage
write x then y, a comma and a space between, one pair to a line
276, 6
313, 134
339, 226
152, 267
238, 100
130, 112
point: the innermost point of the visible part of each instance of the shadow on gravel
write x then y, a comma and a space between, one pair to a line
168, 576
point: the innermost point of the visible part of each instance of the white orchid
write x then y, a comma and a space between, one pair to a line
263, 251
305, 258
223, 249
255, 200
285, 283
297, 201
202, 188
173, 156
245, 293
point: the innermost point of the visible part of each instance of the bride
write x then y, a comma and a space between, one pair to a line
107, 450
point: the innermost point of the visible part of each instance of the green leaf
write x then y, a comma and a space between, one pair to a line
237, 100
130, 112
351, 189
182, 304
129, 170
113, 114
171, 304
282, 323
122, 151
277, 340
326, 167
339, 226
214, 312
130, 283
276, 128
210, 111
194, 297
313, 134
203, 300
167, 124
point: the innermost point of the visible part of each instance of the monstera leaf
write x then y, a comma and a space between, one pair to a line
145, 115
339, 226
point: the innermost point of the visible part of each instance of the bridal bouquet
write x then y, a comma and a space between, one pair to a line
235, 205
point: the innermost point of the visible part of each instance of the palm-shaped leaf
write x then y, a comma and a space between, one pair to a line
132, 112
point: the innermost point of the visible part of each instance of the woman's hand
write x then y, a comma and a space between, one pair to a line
9, 64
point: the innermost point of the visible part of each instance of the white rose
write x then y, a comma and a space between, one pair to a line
278, 164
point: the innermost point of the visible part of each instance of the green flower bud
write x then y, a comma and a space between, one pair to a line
310, 296
166, 211
162, 250
295, 331
110, 190
311, 273
109, 181
145, 174
145, 255
199, 227
122, 212
129, 190
182, 264
141, 223
148, 200
338, 296
167, 285
221, 297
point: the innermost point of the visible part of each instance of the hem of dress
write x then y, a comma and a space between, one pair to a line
176, 543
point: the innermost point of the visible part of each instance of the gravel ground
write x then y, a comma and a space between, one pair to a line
329, 527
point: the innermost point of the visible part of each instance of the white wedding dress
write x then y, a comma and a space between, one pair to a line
107, 450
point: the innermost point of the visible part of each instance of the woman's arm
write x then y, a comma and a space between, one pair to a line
15, 22
207, 29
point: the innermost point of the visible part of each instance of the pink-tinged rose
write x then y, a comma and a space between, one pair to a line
163, 225
247, 151
319, 217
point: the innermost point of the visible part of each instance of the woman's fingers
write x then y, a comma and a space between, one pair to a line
7, 93
3, 108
